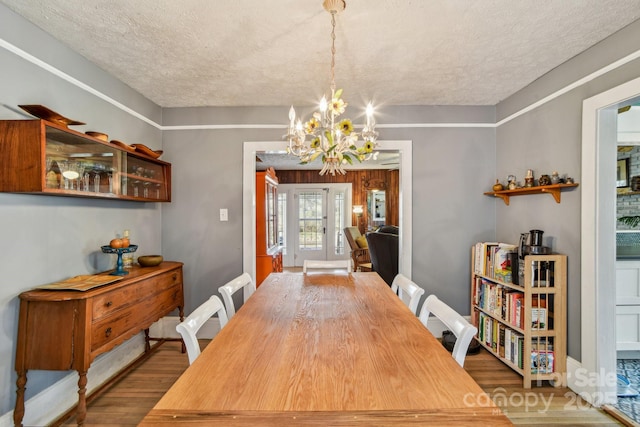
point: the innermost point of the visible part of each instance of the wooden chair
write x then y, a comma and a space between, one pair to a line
243, 282
338, 264
407, 291
463, 330
192, 324
359, 255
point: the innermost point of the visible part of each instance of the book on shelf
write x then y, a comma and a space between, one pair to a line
492, 259
481, 251
538, 318
501, 340
502, 262
542, 343
500, 301
538, 313
542, 362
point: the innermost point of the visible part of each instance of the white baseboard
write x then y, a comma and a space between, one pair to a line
51, 403
590, 385
48, 405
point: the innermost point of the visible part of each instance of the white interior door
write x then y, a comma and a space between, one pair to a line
315, 217
311, 220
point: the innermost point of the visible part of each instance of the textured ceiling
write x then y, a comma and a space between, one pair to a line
398, 52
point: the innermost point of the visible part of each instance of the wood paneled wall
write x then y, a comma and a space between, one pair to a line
357, 178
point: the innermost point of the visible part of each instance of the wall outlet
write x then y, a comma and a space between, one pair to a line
224, 215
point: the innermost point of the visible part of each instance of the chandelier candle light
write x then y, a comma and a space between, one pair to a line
329, 136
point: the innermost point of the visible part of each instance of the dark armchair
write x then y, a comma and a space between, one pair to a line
383, 250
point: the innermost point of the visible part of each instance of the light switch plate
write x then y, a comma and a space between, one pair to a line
224, 215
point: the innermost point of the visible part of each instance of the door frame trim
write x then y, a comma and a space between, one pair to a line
597, 258
250, 148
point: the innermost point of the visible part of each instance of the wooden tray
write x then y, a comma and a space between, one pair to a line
81, 283
42, 112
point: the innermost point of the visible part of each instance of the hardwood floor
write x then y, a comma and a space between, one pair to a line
128, 400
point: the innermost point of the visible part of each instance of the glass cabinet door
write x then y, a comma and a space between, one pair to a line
142, 178
79, 165
271, 215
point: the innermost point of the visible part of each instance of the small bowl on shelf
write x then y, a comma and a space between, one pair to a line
150, 260
101, 136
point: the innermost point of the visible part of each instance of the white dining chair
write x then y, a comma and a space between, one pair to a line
463, 330
243, 282
338, 264
192, 324
408, 291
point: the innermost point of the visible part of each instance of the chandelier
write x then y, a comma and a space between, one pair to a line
325, 134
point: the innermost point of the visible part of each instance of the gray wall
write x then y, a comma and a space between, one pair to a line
51, 238
451, 169
549, 138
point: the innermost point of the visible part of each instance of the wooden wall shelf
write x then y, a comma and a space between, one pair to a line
554, 190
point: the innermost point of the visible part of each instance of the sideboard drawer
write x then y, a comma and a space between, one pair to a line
113, 327
150, 304
113, 301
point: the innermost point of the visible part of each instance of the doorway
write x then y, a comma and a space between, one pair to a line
598, 249
250, 148
316, 215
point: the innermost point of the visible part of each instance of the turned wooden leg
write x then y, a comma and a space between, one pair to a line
18, 413
81, 413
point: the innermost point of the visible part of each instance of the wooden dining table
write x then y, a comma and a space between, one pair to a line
322, 349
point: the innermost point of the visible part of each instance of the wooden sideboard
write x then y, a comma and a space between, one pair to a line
66, 330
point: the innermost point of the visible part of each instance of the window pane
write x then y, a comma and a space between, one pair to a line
340, 222
310, 225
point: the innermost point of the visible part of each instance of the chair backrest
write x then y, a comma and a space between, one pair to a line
463, 330
409, 292
243, 282
192, 324
337, 264
352, 233
383, 250
391, 229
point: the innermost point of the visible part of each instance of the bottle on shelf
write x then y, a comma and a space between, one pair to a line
127, 259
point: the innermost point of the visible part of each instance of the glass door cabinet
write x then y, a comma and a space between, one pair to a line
40, 157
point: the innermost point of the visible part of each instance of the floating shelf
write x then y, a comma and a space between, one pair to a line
554, 190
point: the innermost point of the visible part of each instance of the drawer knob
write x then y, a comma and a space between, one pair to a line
109, 303
175, 276
107, 333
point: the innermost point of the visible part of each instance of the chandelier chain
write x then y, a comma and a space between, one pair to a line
333, 52
331, 138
